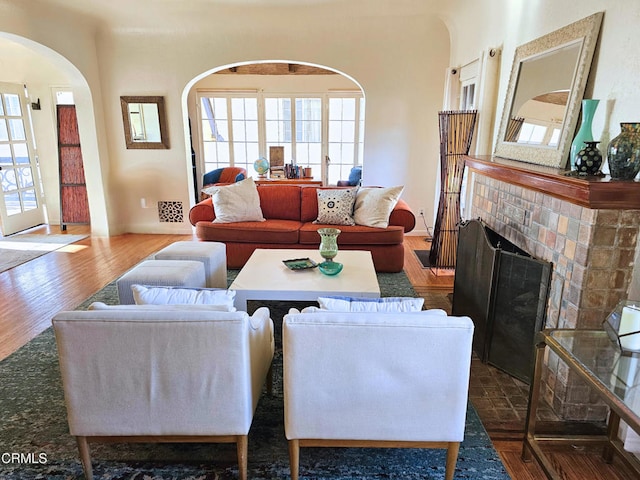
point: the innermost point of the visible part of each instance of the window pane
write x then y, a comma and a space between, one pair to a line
335, 132
5, 155
335, 109
8, 180
251, 108
220, 108
12, 204
348, 108
252, 153
4, 133
16, 127
25, 177
21, 153
1, 106
239, 134
12, 102
348, 131
252, 131
29, 200
237, 108
224, 157
239, 153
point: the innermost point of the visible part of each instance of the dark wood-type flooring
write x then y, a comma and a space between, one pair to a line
33, 292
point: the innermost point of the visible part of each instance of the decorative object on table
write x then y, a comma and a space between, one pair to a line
623, 152
329, 250
456, 132
623, 326
328, 242
307, 172
588, 160
330, 267
261, 165
584, 133
276, 161
300, 263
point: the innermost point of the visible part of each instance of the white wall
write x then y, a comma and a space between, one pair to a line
614, 75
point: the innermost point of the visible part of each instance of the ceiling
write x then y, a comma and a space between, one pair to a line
126, 14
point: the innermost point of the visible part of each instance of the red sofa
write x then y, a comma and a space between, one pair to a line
289, 211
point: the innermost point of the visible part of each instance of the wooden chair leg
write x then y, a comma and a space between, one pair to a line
85, 457
294, 458
242, 447
452, 459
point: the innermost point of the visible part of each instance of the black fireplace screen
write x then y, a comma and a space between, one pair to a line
504, 290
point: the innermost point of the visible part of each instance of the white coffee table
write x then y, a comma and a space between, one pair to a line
265, 277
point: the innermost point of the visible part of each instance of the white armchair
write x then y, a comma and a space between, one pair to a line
376, 379
163, 373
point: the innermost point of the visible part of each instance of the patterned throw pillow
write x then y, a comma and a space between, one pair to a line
335, 207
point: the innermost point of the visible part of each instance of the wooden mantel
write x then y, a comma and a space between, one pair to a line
590, 192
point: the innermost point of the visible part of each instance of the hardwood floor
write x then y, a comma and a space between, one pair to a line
34, 292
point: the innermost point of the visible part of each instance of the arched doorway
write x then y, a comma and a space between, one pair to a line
56, 73
313, 114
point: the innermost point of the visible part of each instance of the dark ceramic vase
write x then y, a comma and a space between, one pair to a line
623, 152
588, 160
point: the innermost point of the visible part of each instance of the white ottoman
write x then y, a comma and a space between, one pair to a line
165, 273
212, 254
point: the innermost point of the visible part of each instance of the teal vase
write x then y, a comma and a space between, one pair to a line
623, 152
584, 133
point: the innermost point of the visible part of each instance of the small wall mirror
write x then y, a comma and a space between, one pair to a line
144, 122
543, 99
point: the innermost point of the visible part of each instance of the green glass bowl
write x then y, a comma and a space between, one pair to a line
330, 268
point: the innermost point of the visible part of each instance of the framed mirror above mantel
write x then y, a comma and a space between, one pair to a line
546, 86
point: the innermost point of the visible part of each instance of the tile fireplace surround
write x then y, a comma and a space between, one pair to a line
587, 229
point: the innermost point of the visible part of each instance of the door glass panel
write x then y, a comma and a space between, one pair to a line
29, 201
25, 177
16, 127
21, 153
13, 105
8, 180
12, 203
5, 155
4, 133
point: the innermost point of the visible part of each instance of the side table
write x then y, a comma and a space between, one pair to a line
583, 351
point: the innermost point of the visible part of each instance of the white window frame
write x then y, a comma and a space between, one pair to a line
262, 142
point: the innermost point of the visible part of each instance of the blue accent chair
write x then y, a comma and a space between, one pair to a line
355, 177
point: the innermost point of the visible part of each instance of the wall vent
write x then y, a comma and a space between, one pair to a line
170, 212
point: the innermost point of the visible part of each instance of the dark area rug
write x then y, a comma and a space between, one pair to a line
33, 423
423, 256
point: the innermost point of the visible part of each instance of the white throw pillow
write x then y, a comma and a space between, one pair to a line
373, 205
147, 295
384, 304
335, 206
237, 202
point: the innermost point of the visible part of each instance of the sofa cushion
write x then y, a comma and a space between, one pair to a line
335, 206
280, 202
238, 202
269, 231
354, 235
373, 205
